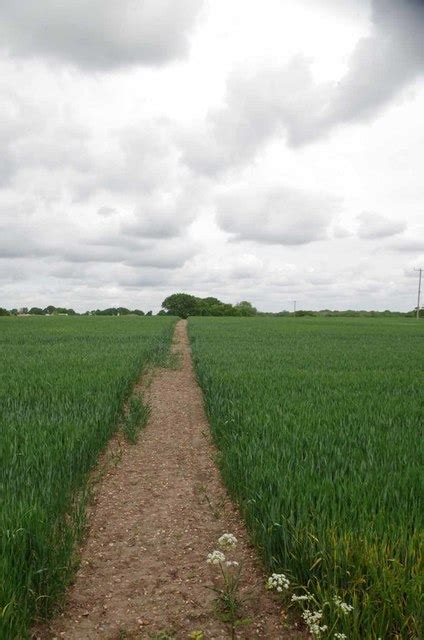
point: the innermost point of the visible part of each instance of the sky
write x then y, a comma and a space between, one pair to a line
268, 151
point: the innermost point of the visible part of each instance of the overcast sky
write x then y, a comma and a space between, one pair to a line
264, 150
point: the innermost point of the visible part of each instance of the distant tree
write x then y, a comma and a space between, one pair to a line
208, 307
50, 309
245, 308
4, 312
185, 305
162, 312
138, 312
181, 304
149, 313
302, 313
36, 311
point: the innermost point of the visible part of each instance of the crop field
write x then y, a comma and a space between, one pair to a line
63, 382
319, 423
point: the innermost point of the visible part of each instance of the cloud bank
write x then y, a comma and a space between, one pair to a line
153, 146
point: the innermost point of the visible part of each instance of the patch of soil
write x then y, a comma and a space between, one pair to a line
157, 514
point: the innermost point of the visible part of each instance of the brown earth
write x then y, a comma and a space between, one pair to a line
158, 512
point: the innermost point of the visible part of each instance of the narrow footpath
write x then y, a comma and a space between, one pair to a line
158, 512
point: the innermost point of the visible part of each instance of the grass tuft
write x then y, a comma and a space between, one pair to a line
135, 419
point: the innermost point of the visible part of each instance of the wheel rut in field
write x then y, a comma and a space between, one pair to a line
157, 514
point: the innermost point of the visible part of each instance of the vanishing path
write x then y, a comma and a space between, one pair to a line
158, 513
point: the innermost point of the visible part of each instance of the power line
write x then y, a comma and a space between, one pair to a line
420, 271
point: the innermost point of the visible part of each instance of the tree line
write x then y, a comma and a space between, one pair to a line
185, 305
62, 311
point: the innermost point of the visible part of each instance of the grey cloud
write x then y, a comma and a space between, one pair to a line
25, 235
100, 34
69, 271
164, 215
163, 255
17, 120
408, 245
20, 240
105, 212
145, 278
140, 158
14, 271
373, 226
258, 105
38, 136
278, 215
382, 63
156, 221
82, 253
54, 146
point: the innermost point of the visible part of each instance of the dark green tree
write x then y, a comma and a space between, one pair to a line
181, 304
50, 309
245, 308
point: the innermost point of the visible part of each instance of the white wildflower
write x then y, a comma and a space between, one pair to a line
216, 557
343, 606
232, 563
340, 636
278, 581
227, 541
296, 598
313, 620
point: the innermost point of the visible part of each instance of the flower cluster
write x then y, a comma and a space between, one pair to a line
227, 541
343, 606
340, 636
296, 598
232, 563
278, 581
216, 557
313, 620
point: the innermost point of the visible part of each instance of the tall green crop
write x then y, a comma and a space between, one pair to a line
63, 382
320, 427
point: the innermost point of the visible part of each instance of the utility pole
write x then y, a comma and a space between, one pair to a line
294, 308
420, 271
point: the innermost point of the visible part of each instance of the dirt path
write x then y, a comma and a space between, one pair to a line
157, 515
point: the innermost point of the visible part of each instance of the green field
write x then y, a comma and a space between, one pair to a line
319, 423
63, 382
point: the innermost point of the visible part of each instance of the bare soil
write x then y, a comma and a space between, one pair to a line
157, 513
